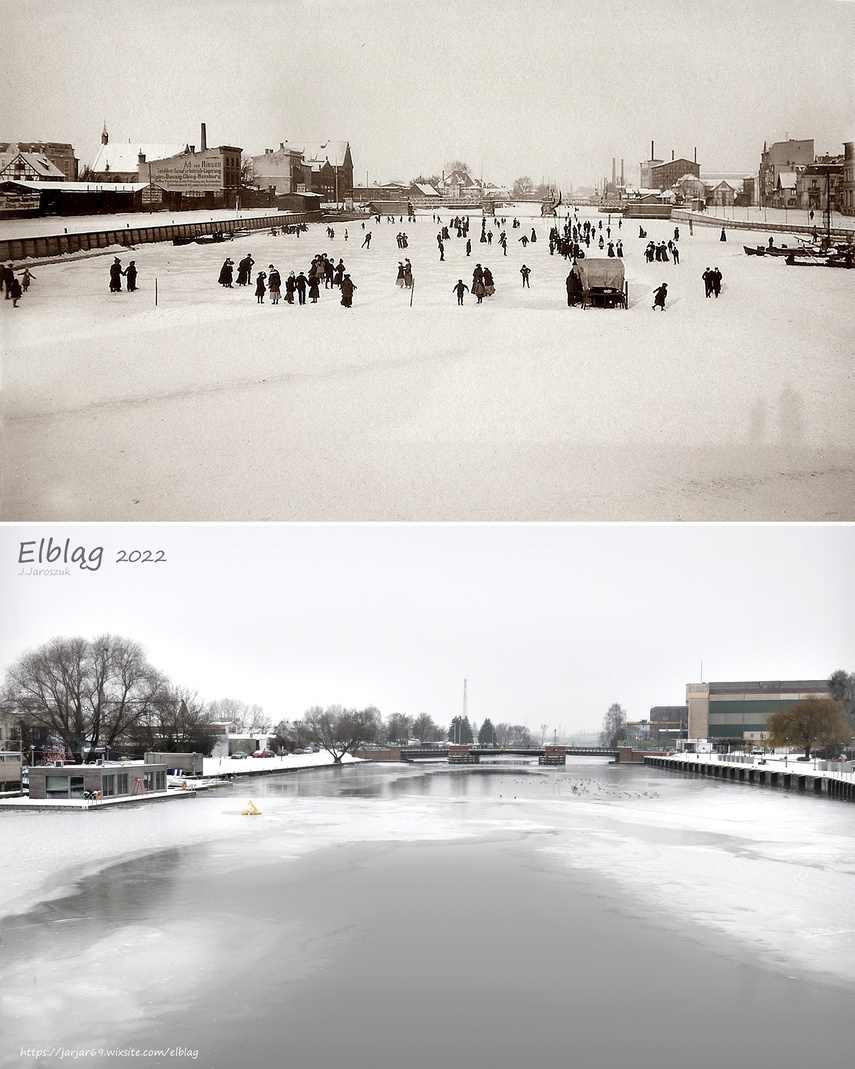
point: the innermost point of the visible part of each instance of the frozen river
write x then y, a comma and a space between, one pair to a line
381, 916
209, 406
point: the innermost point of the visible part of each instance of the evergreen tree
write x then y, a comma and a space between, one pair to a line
487, 734
460, 731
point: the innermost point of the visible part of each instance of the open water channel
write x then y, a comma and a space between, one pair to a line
388, 916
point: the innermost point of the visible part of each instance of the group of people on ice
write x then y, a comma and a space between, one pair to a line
298, 286
483, 285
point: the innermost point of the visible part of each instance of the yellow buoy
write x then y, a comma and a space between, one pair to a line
250, 810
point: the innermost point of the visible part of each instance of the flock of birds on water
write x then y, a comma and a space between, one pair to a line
586, 785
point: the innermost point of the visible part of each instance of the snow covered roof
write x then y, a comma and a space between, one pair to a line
36, 160
333, 152
124, 158
426, 190
787, 180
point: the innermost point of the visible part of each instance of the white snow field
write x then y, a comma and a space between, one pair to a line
209, 406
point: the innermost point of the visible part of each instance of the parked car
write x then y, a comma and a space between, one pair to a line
239, 754
264, 753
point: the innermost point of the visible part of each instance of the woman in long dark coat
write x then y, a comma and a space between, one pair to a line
260, 288
116, 276
314, 288
225, 278
347, 288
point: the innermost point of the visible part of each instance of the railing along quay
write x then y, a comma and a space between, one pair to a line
788, 779
61, 244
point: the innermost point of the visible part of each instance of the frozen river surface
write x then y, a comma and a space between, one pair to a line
209, 406
378, 916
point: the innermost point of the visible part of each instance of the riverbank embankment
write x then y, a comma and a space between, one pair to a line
782, 773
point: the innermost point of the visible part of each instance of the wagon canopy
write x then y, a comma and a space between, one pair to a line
603, 272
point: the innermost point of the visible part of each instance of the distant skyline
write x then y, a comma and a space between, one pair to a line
550, 89
549, 623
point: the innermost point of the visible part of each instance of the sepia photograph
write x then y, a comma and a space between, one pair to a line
370, 260
458, 795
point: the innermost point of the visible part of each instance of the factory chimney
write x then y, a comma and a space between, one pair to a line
672, 155
652, 156
204, 138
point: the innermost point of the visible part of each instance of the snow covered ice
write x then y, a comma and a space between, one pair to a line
211, 407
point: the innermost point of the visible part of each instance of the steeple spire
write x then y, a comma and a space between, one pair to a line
105, 137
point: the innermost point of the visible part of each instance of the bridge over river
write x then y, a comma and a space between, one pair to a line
472, 755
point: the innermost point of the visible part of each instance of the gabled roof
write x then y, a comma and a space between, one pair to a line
124, 158
36, 160
425, 189
787, 180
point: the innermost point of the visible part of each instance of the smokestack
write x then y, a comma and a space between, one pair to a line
672, 155
621, 173
204, 137
696, 153
652, 156
614, 174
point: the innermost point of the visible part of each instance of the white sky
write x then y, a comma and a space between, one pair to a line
550, 624
550, 88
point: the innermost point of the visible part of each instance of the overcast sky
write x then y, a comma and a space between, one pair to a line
550, 88
549, 624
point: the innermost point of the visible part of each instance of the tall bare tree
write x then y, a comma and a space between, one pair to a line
84, 690
614, 726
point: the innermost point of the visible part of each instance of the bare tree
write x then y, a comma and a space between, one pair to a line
426, 729
842, 686
248, 718
177, 723
84, 691
398, 727
339, 730
816, 722
614, 726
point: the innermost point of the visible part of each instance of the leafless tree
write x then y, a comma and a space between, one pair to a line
816, 722
398, 727
248, 718
426, 729
339, 730
614, 726
84, 691
178, 723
